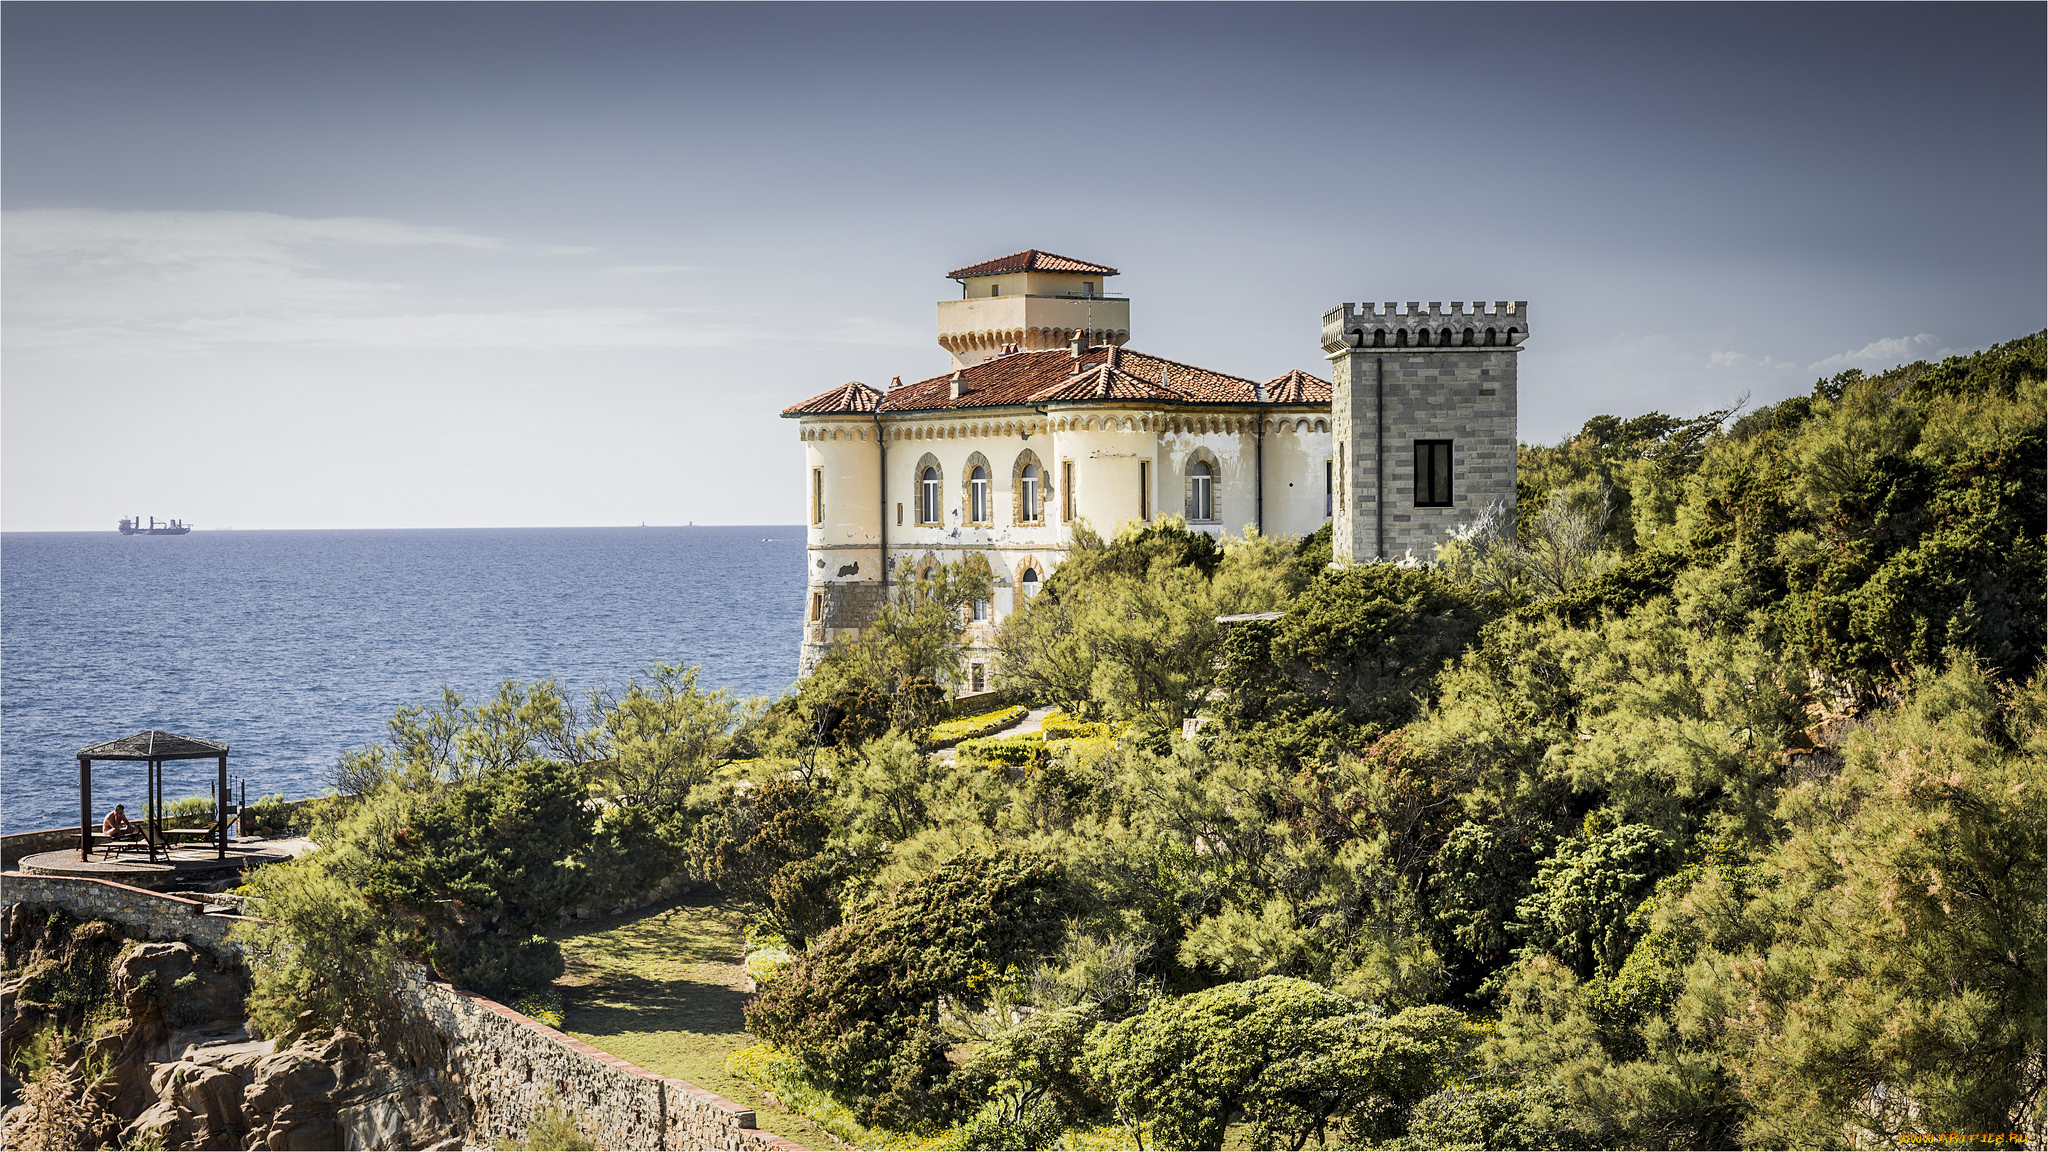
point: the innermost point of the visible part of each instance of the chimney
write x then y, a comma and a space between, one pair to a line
1078, 345
954, 392
895, 382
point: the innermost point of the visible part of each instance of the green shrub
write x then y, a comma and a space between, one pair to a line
1034, 1124
773, 1070
860, 1008
1014, 751
542, 1004
1059, 725
554, 1130
186, 1006
980, 724
1481, 1117
192, 810
277, 814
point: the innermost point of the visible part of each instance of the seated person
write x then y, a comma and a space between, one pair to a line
117, 827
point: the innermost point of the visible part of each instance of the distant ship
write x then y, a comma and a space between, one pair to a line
134, 528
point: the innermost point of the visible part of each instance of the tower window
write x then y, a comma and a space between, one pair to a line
928, 496
977, 495
817, 606
899, 513
1066, 491
1432, 473
1144, 490
817, 495
1201, 492
1329, 487
1027, 506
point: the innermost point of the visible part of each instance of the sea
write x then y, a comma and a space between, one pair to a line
294, 646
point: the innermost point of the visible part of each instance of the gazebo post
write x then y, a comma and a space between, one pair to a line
84, 809
154, 782
220, 812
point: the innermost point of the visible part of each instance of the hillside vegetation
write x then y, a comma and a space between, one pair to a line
1699, 805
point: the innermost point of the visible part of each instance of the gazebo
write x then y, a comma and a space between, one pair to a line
154, 749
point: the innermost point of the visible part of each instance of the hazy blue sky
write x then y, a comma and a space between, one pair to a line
414, 265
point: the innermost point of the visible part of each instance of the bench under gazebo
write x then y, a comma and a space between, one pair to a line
154, 749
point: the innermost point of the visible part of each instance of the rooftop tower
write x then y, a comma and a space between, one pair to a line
1030, 301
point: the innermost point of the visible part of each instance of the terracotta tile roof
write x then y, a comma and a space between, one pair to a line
1054, 376
852, 396
1031, 260
1297, 387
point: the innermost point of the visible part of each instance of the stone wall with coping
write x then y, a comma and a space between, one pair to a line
511, 1068
140, 913
16, 845
503, 1068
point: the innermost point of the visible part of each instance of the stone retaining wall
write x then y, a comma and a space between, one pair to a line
512, 1067
16, 845
505, 1067
141, 913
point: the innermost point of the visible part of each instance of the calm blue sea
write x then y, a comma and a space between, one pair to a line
292, 646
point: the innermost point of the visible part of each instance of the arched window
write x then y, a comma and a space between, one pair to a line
1400, 338
1379, 337
1511, 335
929, 509
1201, 492
1027, 496
1468, 337
1029, 582
1489, 337
977, 495
1445, 339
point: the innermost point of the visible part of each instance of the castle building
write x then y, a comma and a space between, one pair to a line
1047, 419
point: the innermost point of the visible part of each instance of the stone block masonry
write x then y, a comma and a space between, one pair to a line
502, 1069
140, 913
511, 1068
1406, 376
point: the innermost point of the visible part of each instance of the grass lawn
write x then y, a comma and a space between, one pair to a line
663, 987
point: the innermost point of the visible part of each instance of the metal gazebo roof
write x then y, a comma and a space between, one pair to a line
154, 745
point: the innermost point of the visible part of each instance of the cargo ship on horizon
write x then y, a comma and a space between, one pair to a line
134, 528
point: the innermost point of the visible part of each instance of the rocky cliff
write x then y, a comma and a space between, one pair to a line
111, 1042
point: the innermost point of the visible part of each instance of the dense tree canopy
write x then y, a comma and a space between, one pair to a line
1698, 804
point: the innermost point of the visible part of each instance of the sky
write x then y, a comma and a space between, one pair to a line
414, 265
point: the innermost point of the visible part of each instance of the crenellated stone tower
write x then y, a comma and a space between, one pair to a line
1423, 419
